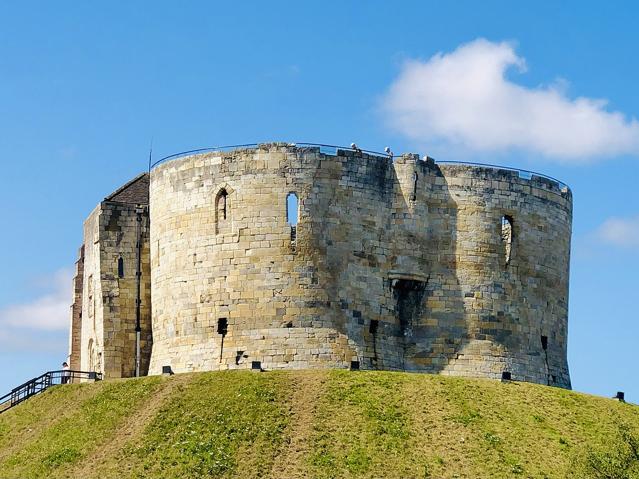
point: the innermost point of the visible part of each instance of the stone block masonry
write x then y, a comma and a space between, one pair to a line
107, 301
75, 331
399, 264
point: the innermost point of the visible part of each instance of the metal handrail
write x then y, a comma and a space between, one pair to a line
199, 150
256, 145
345, 148
181, 154
41, 383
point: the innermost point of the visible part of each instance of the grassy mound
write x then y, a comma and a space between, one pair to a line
317, 424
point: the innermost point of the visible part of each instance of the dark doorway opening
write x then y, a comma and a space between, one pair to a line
409, 296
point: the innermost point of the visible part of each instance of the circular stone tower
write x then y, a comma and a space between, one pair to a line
301, 258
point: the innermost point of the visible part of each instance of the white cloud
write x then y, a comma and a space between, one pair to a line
463, 99
49, 311
620, 231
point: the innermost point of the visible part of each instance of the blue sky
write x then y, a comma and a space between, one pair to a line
548, 87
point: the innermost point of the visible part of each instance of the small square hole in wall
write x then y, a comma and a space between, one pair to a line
372, 328
544, 342
506, 376
222, 326
239, 356
256, 365
354, 365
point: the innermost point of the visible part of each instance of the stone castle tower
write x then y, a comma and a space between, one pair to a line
301, 257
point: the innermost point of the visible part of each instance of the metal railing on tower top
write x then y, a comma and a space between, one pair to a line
333, 150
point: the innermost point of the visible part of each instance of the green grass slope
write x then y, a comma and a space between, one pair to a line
317, 424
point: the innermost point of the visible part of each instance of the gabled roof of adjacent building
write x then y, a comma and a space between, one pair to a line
135, 191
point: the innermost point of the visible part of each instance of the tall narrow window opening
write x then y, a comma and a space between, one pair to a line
507, 236
223, 205
415, 178
292, 214
120, 267
292, 207
222, 212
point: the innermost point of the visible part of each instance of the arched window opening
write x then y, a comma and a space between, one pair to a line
222, 204
507, 236
292, 209
222, 212
413, 197
120, 267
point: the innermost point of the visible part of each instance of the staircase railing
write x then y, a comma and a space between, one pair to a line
41, 383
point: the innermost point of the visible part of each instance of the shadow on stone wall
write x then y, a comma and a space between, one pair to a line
384, 250
436, 320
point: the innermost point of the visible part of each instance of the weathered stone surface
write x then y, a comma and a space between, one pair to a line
75, 331
403, 264
108, 301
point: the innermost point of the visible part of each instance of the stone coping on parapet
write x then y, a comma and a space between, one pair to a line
505, 172
329, 150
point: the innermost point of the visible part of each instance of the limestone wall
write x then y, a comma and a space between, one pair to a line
244, 269
92, 337
109, 291
75, 329
397, 265
515, 312
118, 239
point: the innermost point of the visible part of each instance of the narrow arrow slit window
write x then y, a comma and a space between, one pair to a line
507, 236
